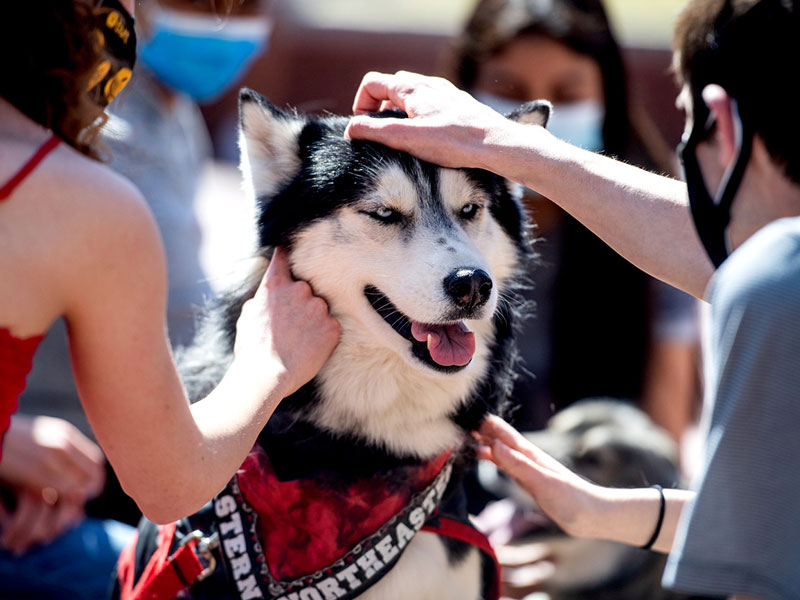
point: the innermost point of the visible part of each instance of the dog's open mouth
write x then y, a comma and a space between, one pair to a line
447, 347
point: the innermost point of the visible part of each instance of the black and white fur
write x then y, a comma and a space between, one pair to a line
364, 222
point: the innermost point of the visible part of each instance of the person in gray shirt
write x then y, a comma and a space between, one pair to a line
735, 532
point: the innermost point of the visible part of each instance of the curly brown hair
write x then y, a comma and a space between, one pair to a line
49, 54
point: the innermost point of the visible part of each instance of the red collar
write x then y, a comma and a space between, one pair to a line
305, 525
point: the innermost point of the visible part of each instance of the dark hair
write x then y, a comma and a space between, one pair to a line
583, 26
750, 48
50, 52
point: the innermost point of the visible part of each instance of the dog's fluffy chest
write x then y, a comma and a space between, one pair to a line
372, 393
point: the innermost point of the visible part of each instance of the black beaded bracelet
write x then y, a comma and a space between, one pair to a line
660, 522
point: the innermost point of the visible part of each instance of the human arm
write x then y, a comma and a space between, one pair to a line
578, 506
169, 456
643, 216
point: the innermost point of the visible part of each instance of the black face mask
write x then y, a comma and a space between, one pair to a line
712, 215
118, 40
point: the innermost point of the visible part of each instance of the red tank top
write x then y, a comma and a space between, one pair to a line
16, 354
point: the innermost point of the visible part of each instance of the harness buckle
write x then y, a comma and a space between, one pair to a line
204, 545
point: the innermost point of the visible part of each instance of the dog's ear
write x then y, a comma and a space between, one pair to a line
536, 112
268, 144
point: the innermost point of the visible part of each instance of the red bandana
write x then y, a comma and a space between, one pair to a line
304, 539
305, 525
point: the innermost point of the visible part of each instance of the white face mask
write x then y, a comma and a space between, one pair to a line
579, 123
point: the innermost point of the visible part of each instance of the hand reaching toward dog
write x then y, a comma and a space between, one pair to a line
578, 506
287, 326
447, 126
568, 499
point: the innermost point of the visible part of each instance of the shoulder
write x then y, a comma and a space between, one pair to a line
91, 197
68, 202
96, 221
90, 181
764, 271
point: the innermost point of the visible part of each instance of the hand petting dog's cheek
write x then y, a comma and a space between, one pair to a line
287, 325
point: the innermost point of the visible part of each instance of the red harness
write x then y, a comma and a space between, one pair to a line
304, 538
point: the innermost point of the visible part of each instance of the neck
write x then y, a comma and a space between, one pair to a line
14, 125
766, 195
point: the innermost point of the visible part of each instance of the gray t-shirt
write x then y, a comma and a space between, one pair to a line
742, 533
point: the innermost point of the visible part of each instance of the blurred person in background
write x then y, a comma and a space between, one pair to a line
156, 137
601, 327
190, 53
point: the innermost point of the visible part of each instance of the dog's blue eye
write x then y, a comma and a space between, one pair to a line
384, 215
468, 211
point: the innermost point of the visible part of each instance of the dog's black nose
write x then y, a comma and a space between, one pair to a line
469, 288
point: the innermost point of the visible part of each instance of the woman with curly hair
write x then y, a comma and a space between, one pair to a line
77, 240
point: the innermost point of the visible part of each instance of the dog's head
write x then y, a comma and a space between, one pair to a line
611, 443
416, 261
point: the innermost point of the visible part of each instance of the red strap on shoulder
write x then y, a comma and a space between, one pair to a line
465, 532
29, 166
165, 575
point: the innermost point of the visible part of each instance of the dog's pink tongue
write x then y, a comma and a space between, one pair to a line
448, 344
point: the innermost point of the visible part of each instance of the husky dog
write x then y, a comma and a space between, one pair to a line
419, 264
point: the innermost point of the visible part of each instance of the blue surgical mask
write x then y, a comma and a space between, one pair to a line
579, 123
202, 55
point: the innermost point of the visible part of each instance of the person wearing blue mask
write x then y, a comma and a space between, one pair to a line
639, 342
190, 53
199, 52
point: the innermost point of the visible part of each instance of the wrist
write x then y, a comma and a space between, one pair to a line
629, 515
494, 146
507, 147
270, 378
598, 510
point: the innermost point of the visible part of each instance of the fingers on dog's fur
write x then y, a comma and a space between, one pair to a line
279, 266
495, 428
521, 467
